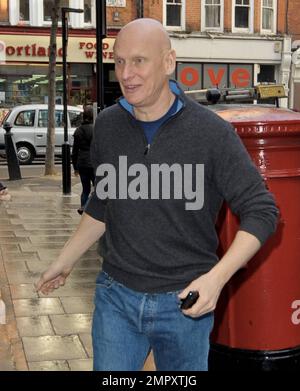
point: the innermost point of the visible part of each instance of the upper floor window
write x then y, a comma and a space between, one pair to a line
4, 15
48, 4
87, 7
24, 10
174, 14
242, 15
268, 17
212, 15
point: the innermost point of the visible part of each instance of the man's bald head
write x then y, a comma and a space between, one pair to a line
144, 61
150, 31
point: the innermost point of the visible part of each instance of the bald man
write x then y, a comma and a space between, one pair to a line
164, 165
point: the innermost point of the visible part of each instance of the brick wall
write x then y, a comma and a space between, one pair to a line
227, 15
257, 15
126, 14
281, 16
294, 19
154, 9
193, 12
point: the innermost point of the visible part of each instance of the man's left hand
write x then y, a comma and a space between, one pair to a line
209, 291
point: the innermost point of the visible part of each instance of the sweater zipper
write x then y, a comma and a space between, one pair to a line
147, 149
160, 129
148, 145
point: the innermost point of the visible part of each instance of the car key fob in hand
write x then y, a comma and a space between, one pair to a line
190, 300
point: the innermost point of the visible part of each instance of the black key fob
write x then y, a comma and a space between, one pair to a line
190, 300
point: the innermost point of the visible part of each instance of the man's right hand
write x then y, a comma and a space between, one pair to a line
54, 277
87, 233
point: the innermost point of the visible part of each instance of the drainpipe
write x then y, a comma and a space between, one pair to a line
140, 8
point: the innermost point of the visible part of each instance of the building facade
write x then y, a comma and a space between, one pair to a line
25, 36
293, 29
224, 43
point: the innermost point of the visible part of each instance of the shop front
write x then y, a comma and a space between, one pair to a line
231, 61
24, 73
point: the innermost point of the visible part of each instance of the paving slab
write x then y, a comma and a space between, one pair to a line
83, 275
13, 240
10, 248
37, 247
7, 234
43, 232
40, 306
24, 256
86, 340
71, 323
6, 357
49, 240
37, 220
48, 348
55, 365
73, 289
49, 225
34, 326
85, 264
23, 291
81, 365
78, 305
38, 266
22, 276
3, 227
15, 266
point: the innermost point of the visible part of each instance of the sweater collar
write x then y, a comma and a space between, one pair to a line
174, 87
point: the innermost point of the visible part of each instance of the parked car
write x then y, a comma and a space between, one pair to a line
29, 127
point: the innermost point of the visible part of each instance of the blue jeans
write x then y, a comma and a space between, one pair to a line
127, 324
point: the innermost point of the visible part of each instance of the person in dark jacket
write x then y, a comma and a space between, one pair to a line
81, 155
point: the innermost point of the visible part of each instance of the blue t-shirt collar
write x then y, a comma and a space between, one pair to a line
173, 87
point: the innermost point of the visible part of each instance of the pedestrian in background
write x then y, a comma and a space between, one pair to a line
81, 155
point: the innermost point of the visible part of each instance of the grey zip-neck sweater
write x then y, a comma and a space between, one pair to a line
162, 244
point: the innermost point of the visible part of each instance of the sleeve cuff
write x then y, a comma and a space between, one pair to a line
95, 208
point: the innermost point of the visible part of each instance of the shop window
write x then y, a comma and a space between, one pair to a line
212, 15
28, 83
4, 15
25, 118
48, 4
24, 10
266, 74
243, 15
174, 14
268, 16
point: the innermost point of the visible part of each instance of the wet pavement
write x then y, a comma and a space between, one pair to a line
53, 332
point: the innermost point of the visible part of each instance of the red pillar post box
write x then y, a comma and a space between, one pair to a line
257, 324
